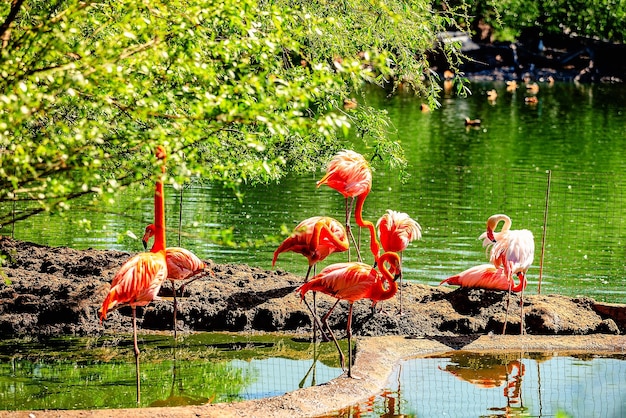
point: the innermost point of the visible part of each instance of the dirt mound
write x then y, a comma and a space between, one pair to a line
56, 291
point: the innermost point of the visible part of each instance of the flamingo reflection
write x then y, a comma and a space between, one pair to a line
491, 372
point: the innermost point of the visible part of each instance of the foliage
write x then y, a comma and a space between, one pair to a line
598, 19
238, 91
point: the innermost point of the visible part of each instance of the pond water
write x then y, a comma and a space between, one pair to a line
97, 373
556, 167
466, 384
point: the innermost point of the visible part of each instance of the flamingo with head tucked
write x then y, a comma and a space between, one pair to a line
182, 264
396, 230
315, 238
354, 281
350, 174
138, 281
513, 250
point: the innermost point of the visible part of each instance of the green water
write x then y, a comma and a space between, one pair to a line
573, 139
96, 373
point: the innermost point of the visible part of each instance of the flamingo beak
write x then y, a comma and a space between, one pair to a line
490, 234
396, 276
145, 244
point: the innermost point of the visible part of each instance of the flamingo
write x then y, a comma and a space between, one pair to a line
485, 276
182, 264
138, 281
396, 230
513, 250
354, 281
350, 174
315, 238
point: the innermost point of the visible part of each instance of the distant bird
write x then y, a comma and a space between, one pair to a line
532, 88
492, 95
350, 174
472, 122
396, 230
511, 249
138, 281
448, 75
349, 104
531, 100
315, 238
182, 264
511, 85
424, 108
351, 282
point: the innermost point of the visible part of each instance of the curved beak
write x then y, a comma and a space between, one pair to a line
490, 234
145, 244
397, 276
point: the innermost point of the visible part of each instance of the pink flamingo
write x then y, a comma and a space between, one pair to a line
396, 230
350, 174
511, 249
315, 238
138, 281
354, 281
182, 264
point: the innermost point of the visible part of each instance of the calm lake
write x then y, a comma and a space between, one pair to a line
556, 167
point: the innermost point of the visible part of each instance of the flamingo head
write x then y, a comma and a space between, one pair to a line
148, 233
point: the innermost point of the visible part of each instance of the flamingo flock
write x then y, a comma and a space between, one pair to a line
316, 238
510, 253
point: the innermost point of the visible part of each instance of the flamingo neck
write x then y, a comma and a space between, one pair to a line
522, 283
492, 224
159, 214
358, 216
392, 287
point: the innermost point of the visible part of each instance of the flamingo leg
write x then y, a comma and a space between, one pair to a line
400, 287
508, 302
175, 306
136, 354
342, 359
349, 332
349, 230
193, 277
316, 320
521, 303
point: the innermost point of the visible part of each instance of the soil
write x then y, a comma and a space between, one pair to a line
58, 291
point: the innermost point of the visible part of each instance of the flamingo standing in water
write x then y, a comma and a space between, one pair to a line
396, 230
315, 238
514, 251
354, 281
350, 174
138, 281
182, 264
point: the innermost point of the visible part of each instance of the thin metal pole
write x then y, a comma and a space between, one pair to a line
545, 230
180, 213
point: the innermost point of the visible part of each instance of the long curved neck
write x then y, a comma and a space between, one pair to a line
492, 224
159, 213
522, 283
392, 287
358, 216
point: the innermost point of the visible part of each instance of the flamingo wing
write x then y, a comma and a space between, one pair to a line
182, 263
484, 276
137, 282
345, 281
396, 230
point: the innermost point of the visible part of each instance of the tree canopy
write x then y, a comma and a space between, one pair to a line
237, 90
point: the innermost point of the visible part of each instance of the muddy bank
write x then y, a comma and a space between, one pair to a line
56, 291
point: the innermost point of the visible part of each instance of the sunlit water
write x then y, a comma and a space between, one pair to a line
92, 373
466, 385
